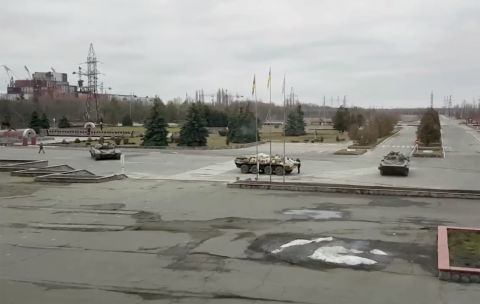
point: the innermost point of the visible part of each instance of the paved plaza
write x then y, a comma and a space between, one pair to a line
174, 233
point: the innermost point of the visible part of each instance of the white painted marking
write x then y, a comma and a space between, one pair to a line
339, 255
378, 252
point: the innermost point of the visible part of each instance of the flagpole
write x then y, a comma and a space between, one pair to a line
269, 117
284, 125
256, 125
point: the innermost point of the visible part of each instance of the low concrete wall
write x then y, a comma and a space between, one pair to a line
32, 172
446, 272
22, 165
357, 189
93, 133
70, 179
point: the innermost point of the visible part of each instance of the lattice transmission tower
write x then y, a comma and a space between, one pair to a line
91, 89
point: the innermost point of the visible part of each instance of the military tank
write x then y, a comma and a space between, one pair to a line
267, 164
394, 163
104, 151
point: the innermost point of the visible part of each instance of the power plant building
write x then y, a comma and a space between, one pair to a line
49, 84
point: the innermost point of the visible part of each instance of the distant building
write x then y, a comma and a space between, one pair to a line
42, 84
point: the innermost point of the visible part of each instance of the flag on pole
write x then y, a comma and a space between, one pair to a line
283, 86
269, 83
253, 86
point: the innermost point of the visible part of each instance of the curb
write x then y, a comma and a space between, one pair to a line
357, 189
446, 272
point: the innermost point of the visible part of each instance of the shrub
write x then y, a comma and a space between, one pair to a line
77, 140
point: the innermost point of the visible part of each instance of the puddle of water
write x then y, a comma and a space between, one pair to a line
301, 242
314, 214
340, 255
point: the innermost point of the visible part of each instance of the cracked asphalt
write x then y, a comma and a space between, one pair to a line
157, 241
174, 233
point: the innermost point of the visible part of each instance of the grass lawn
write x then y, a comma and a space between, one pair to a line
216, 141
129, 129
329, 136
464, 248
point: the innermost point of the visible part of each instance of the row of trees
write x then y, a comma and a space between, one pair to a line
429, 129
365, 126
377, 125
240, 127
17, 113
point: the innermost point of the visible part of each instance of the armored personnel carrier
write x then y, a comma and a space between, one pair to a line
394, 163
267, 164
105, 151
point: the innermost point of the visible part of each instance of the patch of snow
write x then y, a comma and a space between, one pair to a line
301, 242
315, 214
378, 252
339, 255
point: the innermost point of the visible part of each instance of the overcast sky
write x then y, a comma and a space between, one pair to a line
378, 53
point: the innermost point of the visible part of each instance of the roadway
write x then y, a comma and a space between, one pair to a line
458, 170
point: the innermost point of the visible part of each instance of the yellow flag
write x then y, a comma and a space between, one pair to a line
254, 88
269, 83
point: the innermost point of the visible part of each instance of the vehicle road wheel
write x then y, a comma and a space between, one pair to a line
267, 170
117, 156
405, 173
279, 170
382, 173
244, 169
254, 169
97, 157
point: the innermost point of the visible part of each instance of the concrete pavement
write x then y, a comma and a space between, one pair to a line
458, 170
173, 233
138, 241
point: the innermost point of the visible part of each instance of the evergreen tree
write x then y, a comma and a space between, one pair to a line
429, 128
35, 122
44, 122
5, 124
341, 120
156, 127
295, 123
194, 132
127, 121
64, 123
241, 127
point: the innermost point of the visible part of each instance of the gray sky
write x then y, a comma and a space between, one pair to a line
378, 53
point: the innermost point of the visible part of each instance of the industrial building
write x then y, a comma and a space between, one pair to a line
42, 84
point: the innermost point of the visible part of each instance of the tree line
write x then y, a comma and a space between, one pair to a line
364, 126
239, 126
17, 113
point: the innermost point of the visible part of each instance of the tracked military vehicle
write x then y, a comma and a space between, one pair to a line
394, 163
267, 164
104, 151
